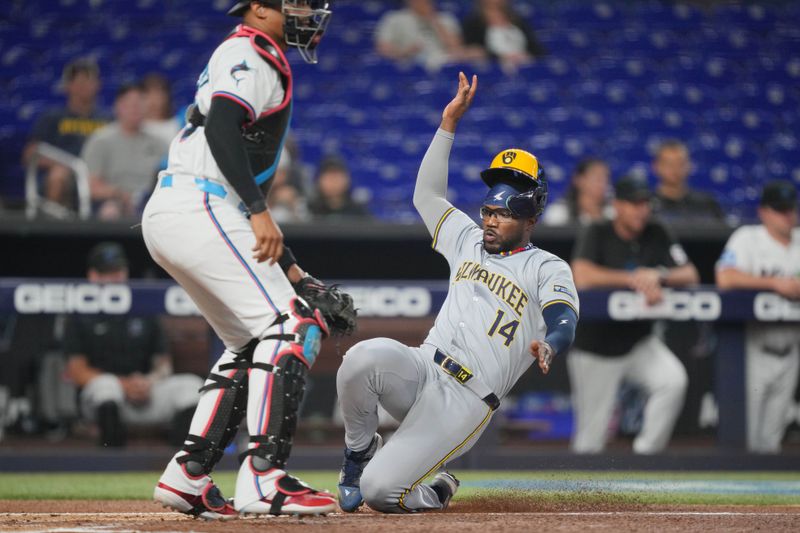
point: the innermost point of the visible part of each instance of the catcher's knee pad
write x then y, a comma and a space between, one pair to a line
284, 397
303, 328
204, 451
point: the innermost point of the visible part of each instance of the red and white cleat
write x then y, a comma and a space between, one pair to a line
209, 505
277, 493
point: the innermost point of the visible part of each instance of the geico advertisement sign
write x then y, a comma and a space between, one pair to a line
391, 301
178, 303
770, 307
626, 305
89, 298
370, 301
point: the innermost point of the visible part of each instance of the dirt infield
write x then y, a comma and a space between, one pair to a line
476, 515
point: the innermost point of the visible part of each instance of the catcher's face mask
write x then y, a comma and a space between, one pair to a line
304, 24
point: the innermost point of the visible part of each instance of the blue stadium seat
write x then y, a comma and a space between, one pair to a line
619, 77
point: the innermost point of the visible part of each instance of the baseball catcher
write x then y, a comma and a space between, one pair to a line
208, 225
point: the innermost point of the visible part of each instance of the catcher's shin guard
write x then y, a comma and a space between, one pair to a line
185, 484
282, 360
220, 411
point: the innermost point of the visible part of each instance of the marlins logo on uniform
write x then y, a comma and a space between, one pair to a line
241, 67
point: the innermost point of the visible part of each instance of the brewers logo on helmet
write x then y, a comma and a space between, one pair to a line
522, 172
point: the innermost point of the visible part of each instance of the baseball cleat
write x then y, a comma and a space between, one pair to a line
445, 485
209, 505
277, 493
350, 476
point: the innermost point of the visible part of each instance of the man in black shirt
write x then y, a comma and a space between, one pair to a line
629, 252
121, 364
675, 201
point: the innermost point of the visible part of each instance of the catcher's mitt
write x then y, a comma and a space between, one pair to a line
336, 306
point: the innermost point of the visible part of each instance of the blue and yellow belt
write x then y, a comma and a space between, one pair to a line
465, 376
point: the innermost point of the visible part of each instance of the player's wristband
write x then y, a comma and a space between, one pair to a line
259, 206
287, 259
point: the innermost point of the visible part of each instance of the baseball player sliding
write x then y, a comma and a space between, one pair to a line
509, 304
208, 226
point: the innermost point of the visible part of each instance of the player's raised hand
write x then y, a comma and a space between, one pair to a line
460, 103
269, 238
543, 352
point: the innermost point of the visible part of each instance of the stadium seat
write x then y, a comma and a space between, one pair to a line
618, 77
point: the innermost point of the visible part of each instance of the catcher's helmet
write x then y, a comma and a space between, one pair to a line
522, 171
304, 22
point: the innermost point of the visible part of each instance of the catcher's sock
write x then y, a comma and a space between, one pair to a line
109, 421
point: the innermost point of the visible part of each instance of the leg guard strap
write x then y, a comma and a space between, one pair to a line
201, 455
270, 448
242, 361
287, 486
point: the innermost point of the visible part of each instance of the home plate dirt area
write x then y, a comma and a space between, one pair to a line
473, 515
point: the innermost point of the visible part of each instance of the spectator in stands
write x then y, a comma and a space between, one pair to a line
675, 201
766, 257
121, 365
159, 112
122, 158
286, 201
334, 194
587, 197
421, 34
67, 128
629, 252
495, 29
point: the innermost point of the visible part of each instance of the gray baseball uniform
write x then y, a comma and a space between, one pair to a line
492, 312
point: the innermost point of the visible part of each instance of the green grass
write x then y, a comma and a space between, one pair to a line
588, 486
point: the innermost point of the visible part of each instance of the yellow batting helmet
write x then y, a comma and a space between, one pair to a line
521, 170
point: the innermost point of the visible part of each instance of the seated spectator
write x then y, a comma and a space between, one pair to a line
68, 128
421, 34
122, 158
159, 112
121, 364
496, 30
629, 252
334, 195
766, 257
586, 199
286, 200
675, 201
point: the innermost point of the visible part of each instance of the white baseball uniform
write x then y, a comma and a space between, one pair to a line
772, 350
196, 228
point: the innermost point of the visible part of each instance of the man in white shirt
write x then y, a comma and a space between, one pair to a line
766, 257
420, 33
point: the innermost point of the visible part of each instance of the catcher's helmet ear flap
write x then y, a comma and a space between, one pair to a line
522, 170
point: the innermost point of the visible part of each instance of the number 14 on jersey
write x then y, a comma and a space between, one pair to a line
507, 330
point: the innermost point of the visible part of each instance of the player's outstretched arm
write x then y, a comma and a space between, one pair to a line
430, 193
